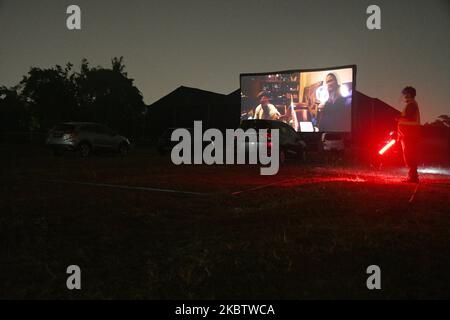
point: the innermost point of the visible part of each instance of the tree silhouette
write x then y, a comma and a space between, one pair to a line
109, 96
442, 121
48, 96
14, 113
118, 66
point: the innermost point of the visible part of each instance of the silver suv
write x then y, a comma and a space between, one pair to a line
85, 137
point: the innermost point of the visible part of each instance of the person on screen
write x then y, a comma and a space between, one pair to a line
266, 110
335, 115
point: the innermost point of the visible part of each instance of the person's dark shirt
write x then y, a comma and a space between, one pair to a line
335, 116
409, 122
412, 112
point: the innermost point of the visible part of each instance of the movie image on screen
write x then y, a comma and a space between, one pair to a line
309, 101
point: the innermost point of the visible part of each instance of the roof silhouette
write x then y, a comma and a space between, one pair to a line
184, 105
188, 93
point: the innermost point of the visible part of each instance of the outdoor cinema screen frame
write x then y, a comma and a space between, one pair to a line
309, 100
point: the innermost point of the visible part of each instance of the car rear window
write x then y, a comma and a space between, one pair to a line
333, 137
64, 127
102, 129
255, 125
95, 128
167, 135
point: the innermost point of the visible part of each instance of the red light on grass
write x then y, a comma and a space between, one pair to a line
386, 147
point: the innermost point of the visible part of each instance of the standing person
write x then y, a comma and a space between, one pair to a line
266, 110
409, 132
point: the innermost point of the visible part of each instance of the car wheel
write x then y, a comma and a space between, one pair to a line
84, 150
58, 152
301, 156
123, 149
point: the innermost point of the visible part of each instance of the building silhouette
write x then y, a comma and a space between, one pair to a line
372, 117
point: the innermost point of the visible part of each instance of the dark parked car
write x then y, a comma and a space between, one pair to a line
85, 137
165, 144
291, 144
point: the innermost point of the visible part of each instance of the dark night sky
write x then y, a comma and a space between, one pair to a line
206, 44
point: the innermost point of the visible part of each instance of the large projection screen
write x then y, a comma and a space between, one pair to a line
318, 100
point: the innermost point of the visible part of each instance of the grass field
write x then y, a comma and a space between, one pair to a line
309, 232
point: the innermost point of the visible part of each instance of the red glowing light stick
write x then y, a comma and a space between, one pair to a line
387, 147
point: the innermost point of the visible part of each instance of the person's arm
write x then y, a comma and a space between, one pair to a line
258, 112
274, 113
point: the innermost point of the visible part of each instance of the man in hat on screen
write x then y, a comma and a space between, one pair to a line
266, 110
